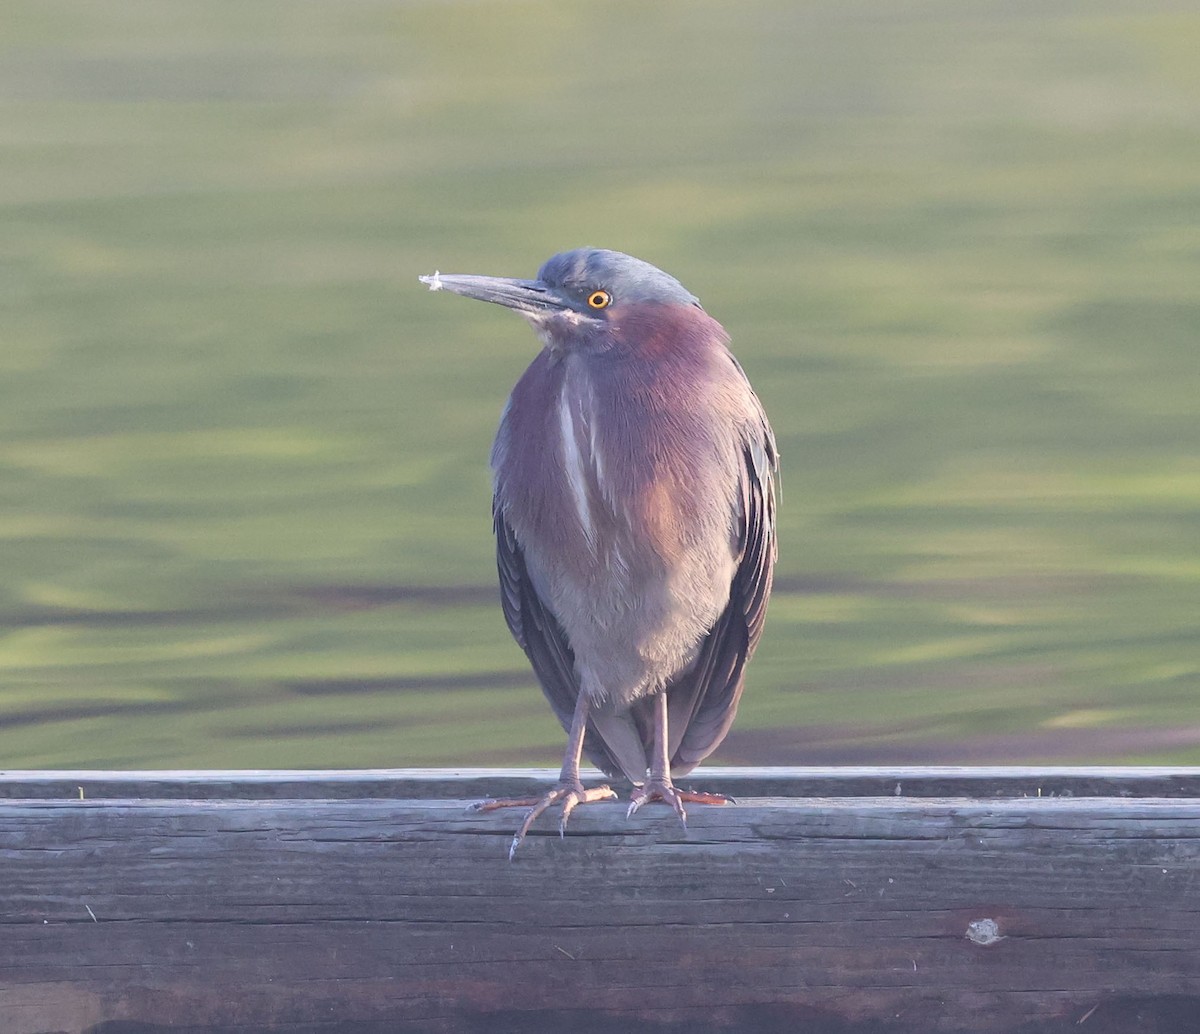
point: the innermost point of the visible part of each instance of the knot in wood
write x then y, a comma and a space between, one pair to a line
984, 932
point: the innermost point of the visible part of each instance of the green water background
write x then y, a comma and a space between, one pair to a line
244, 503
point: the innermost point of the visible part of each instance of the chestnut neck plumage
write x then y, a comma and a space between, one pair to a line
595, 439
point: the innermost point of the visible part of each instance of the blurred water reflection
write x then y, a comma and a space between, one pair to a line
245, 514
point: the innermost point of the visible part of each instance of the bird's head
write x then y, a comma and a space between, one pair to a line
581, 297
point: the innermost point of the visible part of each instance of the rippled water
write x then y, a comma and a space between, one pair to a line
245, 500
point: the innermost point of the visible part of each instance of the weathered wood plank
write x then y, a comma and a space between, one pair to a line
473, 783
831, 914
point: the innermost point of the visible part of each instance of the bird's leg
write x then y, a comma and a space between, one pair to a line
658, 785
570, 789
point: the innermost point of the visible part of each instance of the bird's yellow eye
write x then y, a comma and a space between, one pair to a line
599, 299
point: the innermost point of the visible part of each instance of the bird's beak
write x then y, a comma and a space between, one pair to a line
531, 297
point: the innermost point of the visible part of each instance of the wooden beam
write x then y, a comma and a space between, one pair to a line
896, 901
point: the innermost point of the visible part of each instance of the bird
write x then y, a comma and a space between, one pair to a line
634, 506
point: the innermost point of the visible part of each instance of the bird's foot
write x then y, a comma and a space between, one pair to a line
667, 792
569, 794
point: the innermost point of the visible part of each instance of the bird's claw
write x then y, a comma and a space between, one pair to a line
568, 806
658, 790
570, 794
494, 802
667, 792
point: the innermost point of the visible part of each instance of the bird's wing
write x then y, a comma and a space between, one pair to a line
538, 633
702, 702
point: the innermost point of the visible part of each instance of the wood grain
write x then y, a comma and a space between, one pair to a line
291, 906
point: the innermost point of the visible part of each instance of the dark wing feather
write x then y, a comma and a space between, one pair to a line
702, 702
539, 634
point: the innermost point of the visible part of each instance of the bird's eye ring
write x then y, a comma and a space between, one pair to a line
599, 299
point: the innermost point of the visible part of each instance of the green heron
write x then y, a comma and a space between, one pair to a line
634, 507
